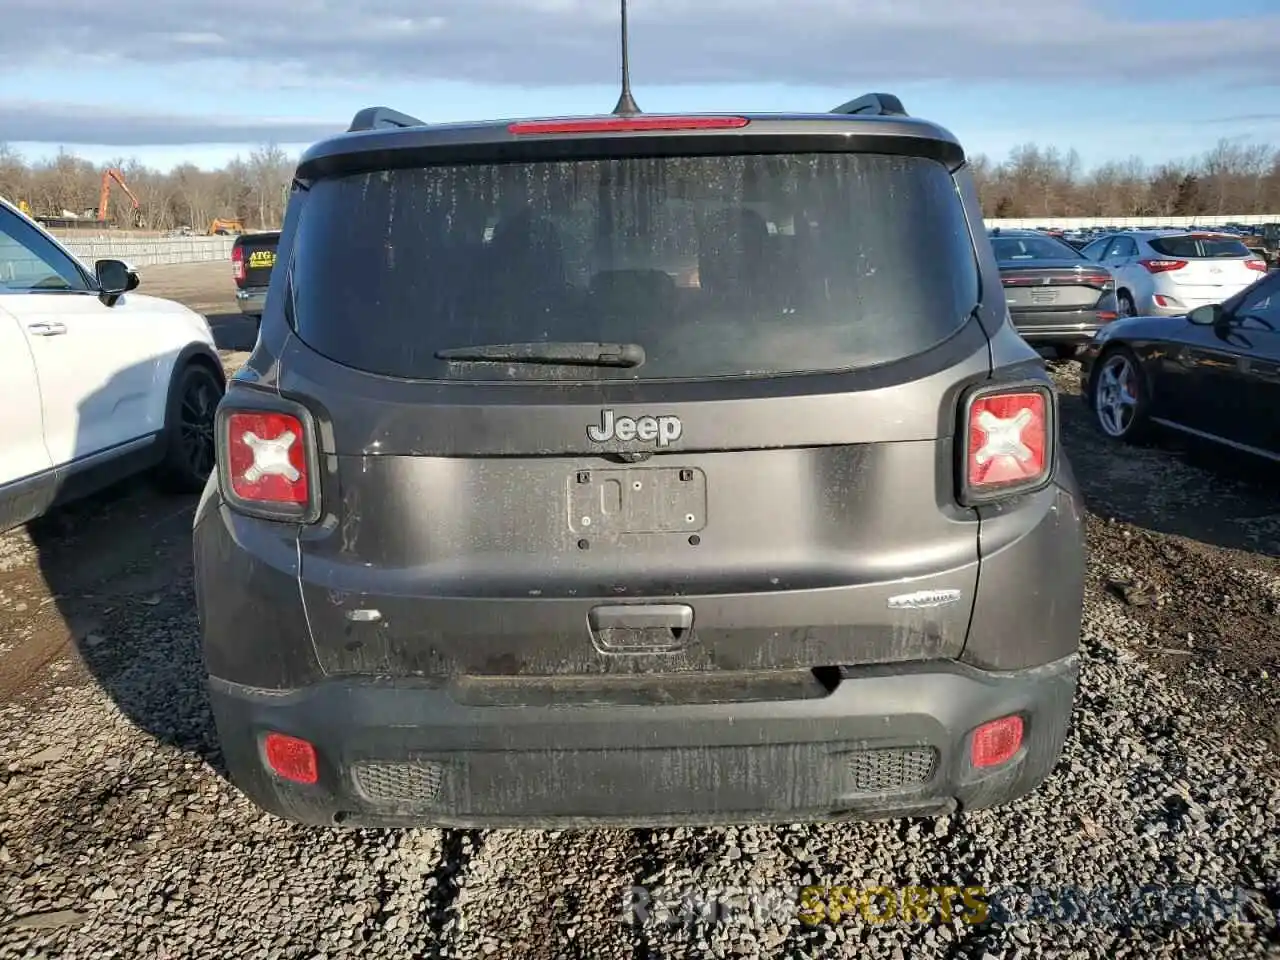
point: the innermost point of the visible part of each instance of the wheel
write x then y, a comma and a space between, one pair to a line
1124, 305
189, 442
1119, 396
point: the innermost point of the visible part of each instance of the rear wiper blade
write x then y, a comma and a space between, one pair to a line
584, 353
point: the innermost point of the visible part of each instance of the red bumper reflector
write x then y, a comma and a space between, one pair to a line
996, 742
292, 758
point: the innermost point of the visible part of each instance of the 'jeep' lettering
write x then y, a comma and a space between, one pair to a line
665, 430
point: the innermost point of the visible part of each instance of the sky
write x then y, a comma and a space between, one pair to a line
172, 81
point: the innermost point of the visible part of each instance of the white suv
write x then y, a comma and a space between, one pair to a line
1169, 273
99, 382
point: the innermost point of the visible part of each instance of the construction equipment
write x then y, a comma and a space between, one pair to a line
25, 207
223, 226
104, 196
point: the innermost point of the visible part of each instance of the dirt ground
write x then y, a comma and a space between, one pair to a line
1183, 539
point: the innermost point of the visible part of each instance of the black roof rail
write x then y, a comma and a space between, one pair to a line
874, 104
377, 118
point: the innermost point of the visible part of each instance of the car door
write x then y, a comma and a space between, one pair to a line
95, 377
1255, 323
26, 475
1121, 258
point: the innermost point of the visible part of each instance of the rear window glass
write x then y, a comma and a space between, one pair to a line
1192, 248
1032, 248
715, 266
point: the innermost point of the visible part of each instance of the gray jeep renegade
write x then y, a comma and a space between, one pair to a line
638, 470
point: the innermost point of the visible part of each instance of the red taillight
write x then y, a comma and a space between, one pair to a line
237, 264
996, 742
1163, 266
266, 462
291, 758
625, 124
1259, 265
1106, 316
1008, 446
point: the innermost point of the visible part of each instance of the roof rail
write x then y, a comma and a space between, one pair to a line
377, 118
874, 104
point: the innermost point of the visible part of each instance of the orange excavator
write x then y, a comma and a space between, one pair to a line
104, 196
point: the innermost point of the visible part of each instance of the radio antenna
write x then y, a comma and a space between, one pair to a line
626, 103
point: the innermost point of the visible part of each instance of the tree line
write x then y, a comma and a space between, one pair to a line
1034, 181
1230, 179
253, 189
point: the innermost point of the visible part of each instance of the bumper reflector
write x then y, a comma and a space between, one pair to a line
996, 742
291, 758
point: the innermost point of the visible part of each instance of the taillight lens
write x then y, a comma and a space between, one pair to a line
1163, 266
237, 264
267, 464
1259, 265
1008, 444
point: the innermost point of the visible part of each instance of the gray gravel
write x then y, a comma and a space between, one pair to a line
119, 837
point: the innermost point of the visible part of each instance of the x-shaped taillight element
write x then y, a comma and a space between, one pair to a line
1004, 436
270, 457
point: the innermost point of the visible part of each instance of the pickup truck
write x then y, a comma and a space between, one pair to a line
253, 255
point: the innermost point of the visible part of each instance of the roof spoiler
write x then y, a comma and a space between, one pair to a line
874, 105
380, 118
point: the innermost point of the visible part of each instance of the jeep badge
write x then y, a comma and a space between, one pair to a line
612, 427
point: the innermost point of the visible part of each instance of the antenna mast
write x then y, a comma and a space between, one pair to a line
626, 103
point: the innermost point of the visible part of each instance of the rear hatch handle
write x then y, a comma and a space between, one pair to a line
640, 627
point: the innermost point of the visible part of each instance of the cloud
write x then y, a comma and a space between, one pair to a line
42, 122
851, 43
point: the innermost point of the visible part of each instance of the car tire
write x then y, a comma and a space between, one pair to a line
1118, 396
1125, 305
189, 441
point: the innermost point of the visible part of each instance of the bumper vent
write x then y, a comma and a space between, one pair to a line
893, 768
413, 782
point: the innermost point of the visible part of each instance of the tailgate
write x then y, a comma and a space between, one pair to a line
259, 258
1042, 290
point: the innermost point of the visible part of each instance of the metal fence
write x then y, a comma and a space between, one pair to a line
149, 252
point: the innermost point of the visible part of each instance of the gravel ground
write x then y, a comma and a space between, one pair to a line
119, 836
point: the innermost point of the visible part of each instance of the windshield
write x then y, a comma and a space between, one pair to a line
1032, 248
713, 266
1196, 248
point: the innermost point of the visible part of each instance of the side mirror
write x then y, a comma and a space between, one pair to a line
115, 277
1209, 315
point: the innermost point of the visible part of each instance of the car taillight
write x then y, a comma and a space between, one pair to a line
237, 264
1106, 316
1259, 265
1163, 266
267, 464
1008, 444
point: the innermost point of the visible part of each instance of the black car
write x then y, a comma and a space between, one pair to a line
638, 469
1057, 296
253, 258
1213, 374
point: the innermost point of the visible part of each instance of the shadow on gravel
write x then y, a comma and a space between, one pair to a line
116, 570
233, 331
1170, 486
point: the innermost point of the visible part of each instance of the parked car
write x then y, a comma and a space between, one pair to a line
1213, 374
1058, 297
682, 469
1168, 274
253, 257
99, 381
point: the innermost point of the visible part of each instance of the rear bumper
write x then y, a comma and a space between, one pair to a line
251, 300
886, 741
1057, 327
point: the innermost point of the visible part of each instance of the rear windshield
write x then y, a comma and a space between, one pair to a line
714, 266
1192, 248
1032, 248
